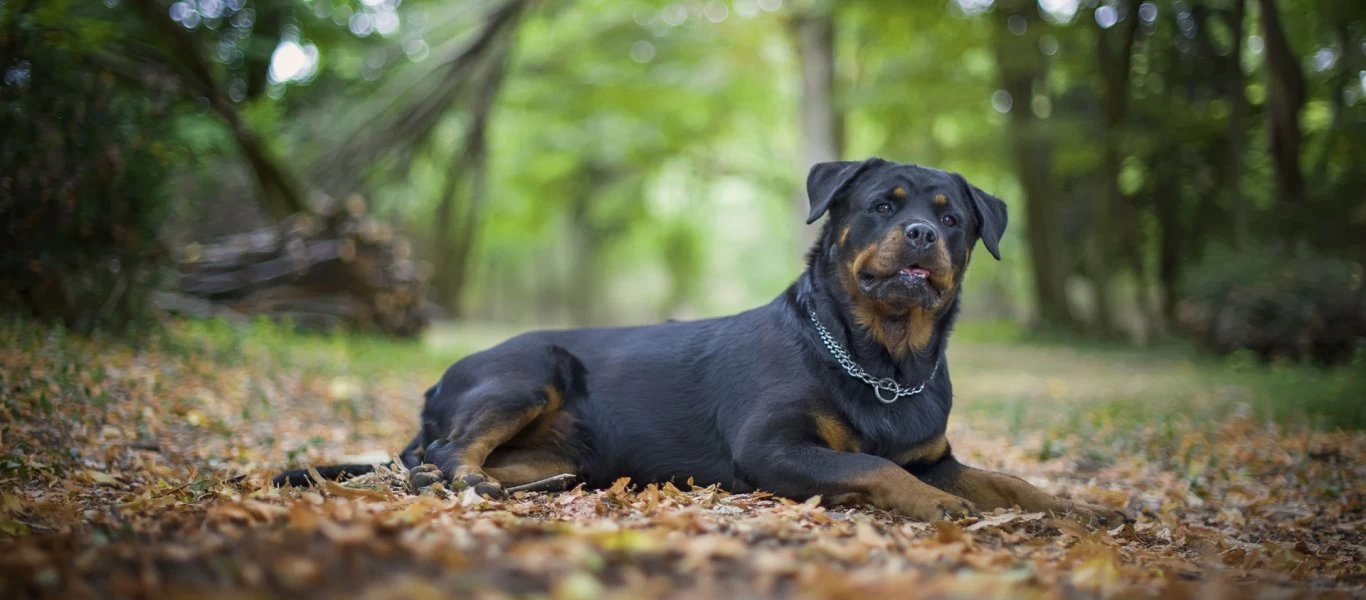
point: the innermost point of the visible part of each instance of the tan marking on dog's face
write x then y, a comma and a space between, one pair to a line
885, 254
899, 330
899, 191
940, 199
856, 264
844, 235
945, 277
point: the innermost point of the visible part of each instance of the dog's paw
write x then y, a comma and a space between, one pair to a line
423, 476
1092, 515
939, 507
956, 508
471, 477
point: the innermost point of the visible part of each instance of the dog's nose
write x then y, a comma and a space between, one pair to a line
920, 235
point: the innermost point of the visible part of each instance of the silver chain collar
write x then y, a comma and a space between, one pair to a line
880, 386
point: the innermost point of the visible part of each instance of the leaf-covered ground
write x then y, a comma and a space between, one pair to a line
115, 469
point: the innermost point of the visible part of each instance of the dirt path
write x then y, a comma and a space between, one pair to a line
114, 468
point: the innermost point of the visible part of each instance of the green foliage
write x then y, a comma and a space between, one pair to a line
1278, 304
82, 179
643, 156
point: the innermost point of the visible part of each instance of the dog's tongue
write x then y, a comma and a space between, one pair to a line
916, 272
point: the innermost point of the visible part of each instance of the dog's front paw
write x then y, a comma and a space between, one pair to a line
423, 476
471, 477
1091, 515
937, 507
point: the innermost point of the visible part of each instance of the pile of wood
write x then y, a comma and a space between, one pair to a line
337, 268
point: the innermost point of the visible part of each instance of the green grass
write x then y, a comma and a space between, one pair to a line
1000, 369
338, 353
1110, 402
1170, 377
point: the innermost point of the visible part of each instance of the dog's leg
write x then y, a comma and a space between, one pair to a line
805, 470
482, 425
519, 466
990, 490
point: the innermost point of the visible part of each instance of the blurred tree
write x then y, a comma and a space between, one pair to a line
822, 124
1114, 55
82, 172
1236, 91
583, 159
1022, 67
170, 48
1284, 100
454, 249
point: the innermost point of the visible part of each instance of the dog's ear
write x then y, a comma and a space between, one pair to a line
828, 180
990, 212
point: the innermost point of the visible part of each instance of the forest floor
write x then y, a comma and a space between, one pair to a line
116, 469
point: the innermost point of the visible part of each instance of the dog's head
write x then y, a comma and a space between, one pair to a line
899, 238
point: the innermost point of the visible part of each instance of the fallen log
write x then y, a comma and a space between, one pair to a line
320, 271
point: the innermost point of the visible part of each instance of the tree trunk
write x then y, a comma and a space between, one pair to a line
1020, 65
1114, 53
582, 291
454, 253
1284, 99
1237, 98
1167, 207
281, 196
458, 275
822, 128
1345, 75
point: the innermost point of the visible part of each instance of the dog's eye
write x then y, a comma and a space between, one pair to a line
949, 220
884, 208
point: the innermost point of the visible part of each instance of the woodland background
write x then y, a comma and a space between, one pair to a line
1176, 329
1172, 167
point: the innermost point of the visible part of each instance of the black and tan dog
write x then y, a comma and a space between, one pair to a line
839, 387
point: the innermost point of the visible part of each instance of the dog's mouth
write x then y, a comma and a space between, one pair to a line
916, 272
913, 285
910, 275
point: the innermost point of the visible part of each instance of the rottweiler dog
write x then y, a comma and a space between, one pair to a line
839, 387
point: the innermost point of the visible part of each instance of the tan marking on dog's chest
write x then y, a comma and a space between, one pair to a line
928, 452
835, 432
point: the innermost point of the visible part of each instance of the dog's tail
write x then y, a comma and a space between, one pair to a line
304, 478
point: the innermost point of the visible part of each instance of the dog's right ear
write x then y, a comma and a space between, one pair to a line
828, 180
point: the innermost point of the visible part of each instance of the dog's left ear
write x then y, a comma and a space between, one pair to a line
991, 215
828, 180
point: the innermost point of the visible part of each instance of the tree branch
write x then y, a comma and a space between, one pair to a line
390, 133
281, 192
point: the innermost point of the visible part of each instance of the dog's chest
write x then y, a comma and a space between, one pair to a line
902, 432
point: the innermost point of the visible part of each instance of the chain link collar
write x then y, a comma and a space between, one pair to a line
882, 388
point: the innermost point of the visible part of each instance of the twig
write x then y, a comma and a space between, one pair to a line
557, 483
